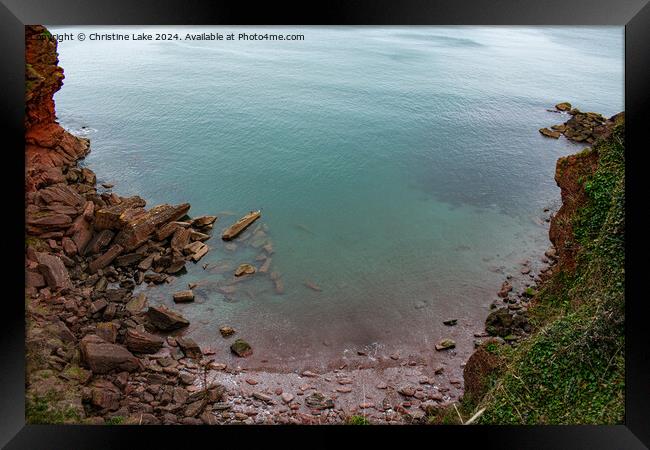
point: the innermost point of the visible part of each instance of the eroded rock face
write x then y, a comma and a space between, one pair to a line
477, 370
48, 146
569, 171
104, 357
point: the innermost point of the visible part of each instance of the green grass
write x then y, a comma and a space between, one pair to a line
115, 420
43, 410
357, 420
572, 368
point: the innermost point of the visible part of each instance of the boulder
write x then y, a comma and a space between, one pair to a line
129, 259
81, 233
104, 260
142, 342
99, 241
550, 133
53, 270
477, 372
184, 296
34, 279
166, 230
203, 221
241, 348
136, 304
198, 236
105, 395
181, 239
165, 319
61, 193
499, 322
137, 231
564, 106
146, 263
112, 217
104, 357
226, 331
189, 347
155, 278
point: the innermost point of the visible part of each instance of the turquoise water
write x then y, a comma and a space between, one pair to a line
395, 167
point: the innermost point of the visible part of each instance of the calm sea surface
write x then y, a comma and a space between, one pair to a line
399, 169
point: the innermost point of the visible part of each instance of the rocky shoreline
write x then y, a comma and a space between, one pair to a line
97, 353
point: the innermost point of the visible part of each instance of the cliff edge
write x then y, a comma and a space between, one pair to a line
48, 147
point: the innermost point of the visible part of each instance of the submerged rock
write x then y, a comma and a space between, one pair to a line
241, 348
445, 344
184, 296
244, 269
226, 331
240, 225
450, 322
313, 286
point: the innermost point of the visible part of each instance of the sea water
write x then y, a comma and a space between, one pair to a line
398, 169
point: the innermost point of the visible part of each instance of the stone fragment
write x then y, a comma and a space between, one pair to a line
165, 319
226, 331
445, 344
104, 260
184, 296
239, 226
244, 269
203, 221
99, 241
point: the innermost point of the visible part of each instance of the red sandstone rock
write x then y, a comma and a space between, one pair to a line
115, 217
142, 342
53, 270
104, 260
136, 232
103, 357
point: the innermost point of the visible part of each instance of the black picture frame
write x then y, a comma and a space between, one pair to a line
633, 14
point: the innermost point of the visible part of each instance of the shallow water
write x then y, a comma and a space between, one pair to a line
396, 168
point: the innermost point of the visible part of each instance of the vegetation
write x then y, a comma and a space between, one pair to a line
571, 370
357, 420
115, 420
45, 410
